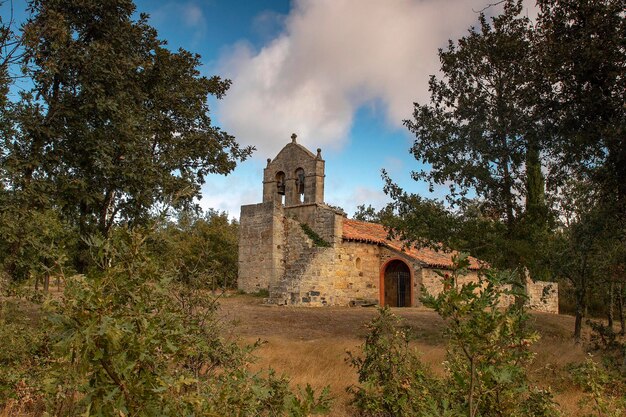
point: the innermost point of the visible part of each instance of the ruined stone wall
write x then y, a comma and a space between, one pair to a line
433, 282
261, 238
542, 296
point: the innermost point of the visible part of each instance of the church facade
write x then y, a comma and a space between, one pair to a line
305, 252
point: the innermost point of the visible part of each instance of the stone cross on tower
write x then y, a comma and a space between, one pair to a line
295, 176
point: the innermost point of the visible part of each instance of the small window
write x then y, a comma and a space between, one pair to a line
357, 263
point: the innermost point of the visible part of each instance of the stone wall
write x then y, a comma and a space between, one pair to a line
542, 296
261, 237
324, 220
276, 254
298, 251
318, 276
433, 282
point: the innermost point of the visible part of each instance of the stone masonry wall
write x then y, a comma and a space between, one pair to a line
319, 217
337, 276
276, 254
298, 250
433, 282
261, 237
542, 296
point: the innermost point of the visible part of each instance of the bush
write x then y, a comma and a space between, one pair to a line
393, 380
131, 340
23, 357
604, 388
487, 355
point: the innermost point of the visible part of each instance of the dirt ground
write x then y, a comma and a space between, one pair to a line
310, 344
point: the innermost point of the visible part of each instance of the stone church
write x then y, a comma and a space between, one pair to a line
305, 252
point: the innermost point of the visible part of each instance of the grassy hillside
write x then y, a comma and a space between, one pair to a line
310, 344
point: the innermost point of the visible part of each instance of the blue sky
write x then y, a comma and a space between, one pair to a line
342, 74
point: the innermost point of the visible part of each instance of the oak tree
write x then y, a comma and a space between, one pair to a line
115, 122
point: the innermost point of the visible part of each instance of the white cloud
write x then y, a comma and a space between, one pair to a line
332, 57
268, 24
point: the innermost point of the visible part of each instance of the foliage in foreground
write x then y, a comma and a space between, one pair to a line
23, 356
393, 381
487, 357
605, 388
603, 377
129, 340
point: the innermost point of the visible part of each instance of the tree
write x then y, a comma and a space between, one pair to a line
10, 54
583, 57
516, 101
488, 353
488, 347
583, 54
478, 132
128, 339
483, 134
578, 251
203, 247
428, 222
393, 381
115, 122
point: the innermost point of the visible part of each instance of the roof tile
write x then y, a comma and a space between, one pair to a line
355, 230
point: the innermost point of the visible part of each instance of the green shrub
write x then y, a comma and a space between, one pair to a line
488, 347
604, 389
23, 355
132, 340
393, 381
487, 356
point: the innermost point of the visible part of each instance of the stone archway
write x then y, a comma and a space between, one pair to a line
396, 284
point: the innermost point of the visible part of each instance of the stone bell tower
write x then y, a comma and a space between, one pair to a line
293, 188
294, 177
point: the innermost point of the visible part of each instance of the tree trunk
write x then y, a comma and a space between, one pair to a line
620, 308
46, 282
508, 185
581, 306
610, 306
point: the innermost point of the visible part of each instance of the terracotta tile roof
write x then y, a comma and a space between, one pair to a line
355, 230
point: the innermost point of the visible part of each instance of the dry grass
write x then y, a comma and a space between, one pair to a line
310, 344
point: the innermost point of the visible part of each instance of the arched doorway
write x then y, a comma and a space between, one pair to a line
396, 284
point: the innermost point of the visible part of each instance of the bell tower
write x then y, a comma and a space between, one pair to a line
294, 177
293, 188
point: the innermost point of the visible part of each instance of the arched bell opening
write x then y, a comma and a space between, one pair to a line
280, 186
299, 175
